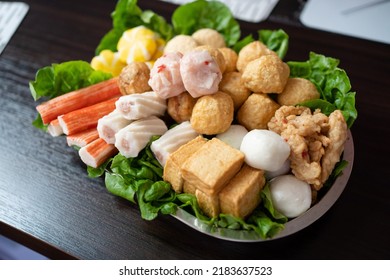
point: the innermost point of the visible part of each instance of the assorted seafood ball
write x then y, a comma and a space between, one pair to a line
134, 78
208, 36
297, 90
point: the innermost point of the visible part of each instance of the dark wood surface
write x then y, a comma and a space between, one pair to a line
48, 203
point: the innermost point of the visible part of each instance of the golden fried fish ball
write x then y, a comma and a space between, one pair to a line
231, 84
180, 107
134, 78
267, 74
213, 114
252, 51
230, 58
216, 55
297, 90
257, 111
208, 36
180, 43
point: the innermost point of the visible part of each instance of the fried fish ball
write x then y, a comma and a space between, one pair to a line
134, 78
208, 36
213, 114
257, 111
180, 107
267, 74
231, 84
216, 55
230, 58
250, 52
297, 90
180, 43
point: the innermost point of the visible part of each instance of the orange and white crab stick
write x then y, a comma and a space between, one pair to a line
97, 152
85, 118
82, 138
77, 99
54, 128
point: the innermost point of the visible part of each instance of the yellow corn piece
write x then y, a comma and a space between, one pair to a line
137, 44
109, 62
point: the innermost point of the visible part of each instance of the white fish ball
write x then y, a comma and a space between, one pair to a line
281, 171
264, 149
233, 136
290, 196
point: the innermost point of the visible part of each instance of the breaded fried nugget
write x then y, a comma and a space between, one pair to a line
213, 114
297, 90
267, 74
257, 111
231, 84
180, 107
251, 52
134, 78
230, 58
208, 36
180, 43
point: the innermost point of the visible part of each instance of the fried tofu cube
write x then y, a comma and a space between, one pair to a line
212, 166
242, 194
189, 188
172, 168
208, 203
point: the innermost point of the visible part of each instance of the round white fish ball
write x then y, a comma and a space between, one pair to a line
281, 171
264, 149
233, 136
290, 196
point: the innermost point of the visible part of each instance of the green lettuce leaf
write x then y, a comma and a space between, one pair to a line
276, 40
190, 17
332, 83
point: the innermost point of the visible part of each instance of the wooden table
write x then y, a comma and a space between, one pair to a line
48, 203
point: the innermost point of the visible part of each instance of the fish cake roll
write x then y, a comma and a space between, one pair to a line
297, 90
110, 124
257, 111
232, 84
213, 114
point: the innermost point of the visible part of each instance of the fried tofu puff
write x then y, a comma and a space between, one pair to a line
267, 74
231, 84
180, 43
134, 78
208, 36
297, 90
251, 52
257, 111
180, 107
213, 114
230, 58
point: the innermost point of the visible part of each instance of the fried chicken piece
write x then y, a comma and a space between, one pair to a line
316, 141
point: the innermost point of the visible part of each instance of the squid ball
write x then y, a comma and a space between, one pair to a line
290, 196
264, 149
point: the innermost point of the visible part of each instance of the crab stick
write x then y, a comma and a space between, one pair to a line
85, 118
54, 128
172, 140
97, 152
110, 124
141, 105
77, 99
82, 138
131, 139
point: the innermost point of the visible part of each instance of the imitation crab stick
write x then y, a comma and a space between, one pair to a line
85, 118
54, 128
74, 100
97, 152
82, 138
